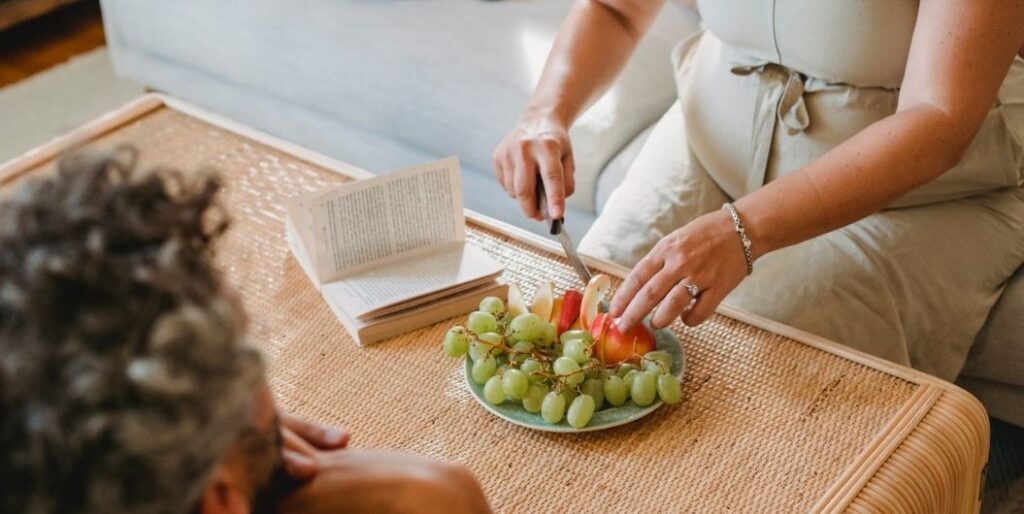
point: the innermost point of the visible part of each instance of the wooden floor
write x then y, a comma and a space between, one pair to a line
52, 39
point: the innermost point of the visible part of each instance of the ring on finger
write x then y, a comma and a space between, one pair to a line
692, 289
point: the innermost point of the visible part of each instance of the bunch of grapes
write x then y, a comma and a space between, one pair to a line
522, 358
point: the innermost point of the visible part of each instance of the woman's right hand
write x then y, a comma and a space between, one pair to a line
537, 146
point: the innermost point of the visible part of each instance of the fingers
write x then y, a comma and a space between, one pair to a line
649, 296
676, 301
641, 273
503, 170
525, 184
569, 172
298, 465
554, 180
320, 436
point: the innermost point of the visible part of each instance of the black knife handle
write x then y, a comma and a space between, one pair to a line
554, 224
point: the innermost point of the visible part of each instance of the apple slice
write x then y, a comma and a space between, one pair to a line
556, 311
543, 300
596, 289
516, 305
570, 310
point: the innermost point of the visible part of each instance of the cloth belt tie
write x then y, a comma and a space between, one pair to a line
781, 97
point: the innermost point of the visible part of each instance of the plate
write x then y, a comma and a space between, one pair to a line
513, 411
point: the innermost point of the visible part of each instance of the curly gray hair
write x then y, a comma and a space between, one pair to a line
123, 375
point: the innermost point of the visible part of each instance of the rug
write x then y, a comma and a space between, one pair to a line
49, 104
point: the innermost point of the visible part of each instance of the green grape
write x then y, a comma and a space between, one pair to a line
493, 306
615, 390
669, 390
521, 346
625, 368
548, 335
489, 343
569, 370
515, 383
553, 408
484, 369
644, 388
576, 334
658, 362
595, 369
570, 394
478, 350
577, 350
482, 322
534, 399
456, 342
628, 379
594, 388
581, 410
493, 391
533, 369
526, 327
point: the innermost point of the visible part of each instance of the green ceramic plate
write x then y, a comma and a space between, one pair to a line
608, 417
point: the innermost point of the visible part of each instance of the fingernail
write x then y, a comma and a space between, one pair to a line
333, 435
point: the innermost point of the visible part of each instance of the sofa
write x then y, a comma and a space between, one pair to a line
384, 84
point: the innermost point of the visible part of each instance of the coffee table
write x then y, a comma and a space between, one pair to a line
772, 419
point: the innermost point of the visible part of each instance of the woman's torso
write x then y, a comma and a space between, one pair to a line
773, 84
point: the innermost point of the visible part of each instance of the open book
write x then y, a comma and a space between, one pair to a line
389, 254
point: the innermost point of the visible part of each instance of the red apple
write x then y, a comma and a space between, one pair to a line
570, 310
614, 347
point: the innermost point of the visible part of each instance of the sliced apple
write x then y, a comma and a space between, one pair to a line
570, 310
543, 300
556, 311
593, 294
515, 304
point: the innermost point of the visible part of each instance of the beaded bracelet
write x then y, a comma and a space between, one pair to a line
743, 236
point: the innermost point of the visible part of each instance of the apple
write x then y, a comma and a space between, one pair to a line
614, 347
570, 310
592, 295
516, 305
543, 300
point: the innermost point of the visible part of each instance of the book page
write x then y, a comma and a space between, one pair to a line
374, 222
367, 293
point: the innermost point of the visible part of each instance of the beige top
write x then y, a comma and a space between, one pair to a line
773, 84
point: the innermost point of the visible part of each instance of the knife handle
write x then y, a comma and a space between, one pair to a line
542, 204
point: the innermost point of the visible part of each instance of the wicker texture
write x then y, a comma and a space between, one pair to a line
767, 424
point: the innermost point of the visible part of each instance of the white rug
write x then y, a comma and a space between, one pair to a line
57, 100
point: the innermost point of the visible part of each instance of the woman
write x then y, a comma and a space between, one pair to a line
871, 151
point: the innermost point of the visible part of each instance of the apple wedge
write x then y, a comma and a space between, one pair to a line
595, 291
543, 301
516, 304
570, 311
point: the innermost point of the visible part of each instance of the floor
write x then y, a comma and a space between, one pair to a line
49, 40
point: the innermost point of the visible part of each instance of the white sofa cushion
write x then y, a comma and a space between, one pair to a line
441, 76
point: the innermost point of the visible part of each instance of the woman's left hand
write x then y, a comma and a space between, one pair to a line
706, 253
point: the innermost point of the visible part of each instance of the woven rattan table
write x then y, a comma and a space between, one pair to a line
772, 420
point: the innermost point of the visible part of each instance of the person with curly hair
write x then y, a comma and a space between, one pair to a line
126, 384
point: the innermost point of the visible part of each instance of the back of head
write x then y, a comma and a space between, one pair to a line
123, 377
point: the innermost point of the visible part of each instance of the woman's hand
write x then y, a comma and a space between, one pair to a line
706, 253
538, 146
302, 439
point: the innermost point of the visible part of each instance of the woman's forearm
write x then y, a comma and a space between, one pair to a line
855, 179
594, 44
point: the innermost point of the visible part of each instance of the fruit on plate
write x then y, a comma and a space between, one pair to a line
612, 346
516, 304
590, 303
570, 311
543, 300
564, 373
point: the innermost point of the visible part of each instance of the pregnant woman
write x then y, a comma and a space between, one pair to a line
849, 167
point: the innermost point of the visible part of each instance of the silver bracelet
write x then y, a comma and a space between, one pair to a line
743, 235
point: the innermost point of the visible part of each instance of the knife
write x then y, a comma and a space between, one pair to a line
557, 227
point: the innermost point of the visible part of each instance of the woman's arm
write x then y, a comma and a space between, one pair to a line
592, 47
959, 56
960, 53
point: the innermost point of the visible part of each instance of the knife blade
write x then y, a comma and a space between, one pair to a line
557, 229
